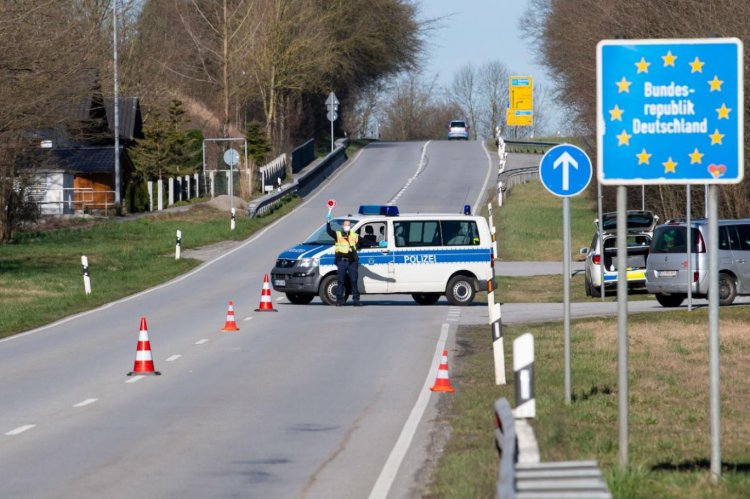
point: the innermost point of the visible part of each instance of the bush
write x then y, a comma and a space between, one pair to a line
136, 196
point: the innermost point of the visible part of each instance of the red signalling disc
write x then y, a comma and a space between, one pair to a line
331, 203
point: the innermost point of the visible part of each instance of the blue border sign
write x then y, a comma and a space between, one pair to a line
565, 170
670, 111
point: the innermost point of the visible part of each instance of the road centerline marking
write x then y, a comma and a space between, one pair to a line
134, 379
20, 430
173, 357
398, 453
201, 342
84, 403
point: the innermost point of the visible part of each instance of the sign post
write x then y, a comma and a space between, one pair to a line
332, 104
670, 112
231, 158
565, 170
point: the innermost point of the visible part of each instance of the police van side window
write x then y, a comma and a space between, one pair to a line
417, 233
460, 232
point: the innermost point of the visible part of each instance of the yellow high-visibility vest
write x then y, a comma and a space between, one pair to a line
344, 245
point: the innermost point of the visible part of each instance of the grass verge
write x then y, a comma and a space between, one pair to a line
668, 413
40, 272
549, 289
529, 225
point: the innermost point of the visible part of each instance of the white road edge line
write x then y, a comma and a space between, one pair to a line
398, 453
197, 269
85, 403
134, 379
173, 357
20, 430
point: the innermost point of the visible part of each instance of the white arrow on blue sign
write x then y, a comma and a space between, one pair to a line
565, 170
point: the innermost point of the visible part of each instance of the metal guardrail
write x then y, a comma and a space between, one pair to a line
303, 155
529, 146
271, 173
550, 480
505, 440
303, 183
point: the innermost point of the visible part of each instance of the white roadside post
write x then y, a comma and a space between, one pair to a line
178, 242
493, 231
160, 194
495, 319
523, 374
86, 277
232, 223
150, 187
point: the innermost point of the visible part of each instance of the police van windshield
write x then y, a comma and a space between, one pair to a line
321, 237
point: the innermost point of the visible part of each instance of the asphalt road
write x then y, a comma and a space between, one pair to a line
309, 401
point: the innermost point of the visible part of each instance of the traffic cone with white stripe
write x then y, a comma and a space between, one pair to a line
144, 362
265, 298
443, 382
230, 324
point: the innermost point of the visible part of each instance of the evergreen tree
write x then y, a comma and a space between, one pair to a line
166, 150
258, 146
150, 155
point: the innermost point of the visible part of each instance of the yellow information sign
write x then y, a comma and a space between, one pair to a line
520, 108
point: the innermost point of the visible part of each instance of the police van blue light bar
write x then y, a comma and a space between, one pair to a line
467, 209
377, 209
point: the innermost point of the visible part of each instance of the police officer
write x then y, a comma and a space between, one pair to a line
347, 261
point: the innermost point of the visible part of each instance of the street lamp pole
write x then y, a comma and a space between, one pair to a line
116, 108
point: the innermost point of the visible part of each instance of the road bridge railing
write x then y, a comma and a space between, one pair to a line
540, 480
303, 182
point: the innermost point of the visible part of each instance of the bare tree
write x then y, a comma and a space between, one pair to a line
465, 92
43, 76
413, 110
493, 95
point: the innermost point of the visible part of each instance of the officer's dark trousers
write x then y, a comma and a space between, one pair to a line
346, 268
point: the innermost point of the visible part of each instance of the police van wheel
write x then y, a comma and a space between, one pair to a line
328, 290
426, 298
300, 298
460, 290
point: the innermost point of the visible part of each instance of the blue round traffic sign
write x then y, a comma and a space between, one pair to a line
565, 170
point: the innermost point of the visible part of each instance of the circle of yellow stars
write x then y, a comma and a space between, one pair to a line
669, 59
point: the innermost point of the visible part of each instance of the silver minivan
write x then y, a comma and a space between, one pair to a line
666, 269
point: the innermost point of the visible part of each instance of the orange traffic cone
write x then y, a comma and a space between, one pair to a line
230, 324
265, 298
442, 382
144, 363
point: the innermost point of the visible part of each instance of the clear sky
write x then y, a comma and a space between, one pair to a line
478, 31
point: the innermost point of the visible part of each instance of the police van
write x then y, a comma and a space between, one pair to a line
425, 255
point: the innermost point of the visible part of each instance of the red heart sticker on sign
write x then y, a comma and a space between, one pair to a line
717, 170
331, 203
